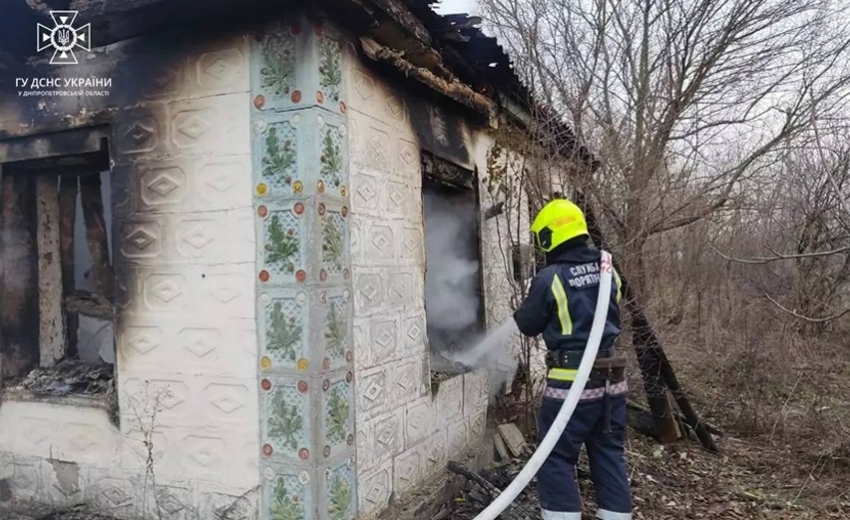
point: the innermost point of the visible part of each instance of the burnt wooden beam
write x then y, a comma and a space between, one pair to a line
19, 315
446, 172
96, 235
453, 89
67, 219
401, 15
1, 275
514, 511
51, 323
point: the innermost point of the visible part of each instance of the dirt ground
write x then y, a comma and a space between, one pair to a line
682, 481
784, 454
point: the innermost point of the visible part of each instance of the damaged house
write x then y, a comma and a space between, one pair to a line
216, 222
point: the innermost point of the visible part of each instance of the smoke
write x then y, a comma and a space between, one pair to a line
452, 301
453, 292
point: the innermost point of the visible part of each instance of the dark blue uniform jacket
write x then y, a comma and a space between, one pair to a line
562, 299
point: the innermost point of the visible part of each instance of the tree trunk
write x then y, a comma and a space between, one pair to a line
647, 346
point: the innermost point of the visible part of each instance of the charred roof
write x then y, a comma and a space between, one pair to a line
451, 47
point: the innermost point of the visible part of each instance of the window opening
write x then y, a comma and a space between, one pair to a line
453, 295
57, 295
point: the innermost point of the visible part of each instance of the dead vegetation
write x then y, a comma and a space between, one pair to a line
720, 182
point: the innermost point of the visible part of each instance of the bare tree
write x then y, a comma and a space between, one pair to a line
688, 104
811, 231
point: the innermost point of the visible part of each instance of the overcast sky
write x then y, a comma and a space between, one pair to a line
457, 6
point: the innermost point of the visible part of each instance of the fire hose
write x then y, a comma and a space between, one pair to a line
548, 444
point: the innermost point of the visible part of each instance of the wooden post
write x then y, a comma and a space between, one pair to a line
19, 305
2, 353
96, 235
648, 350
67, 217
656, 369
52, 322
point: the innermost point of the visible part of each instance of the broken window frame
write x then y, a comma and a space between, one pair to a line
59, 179
443, 174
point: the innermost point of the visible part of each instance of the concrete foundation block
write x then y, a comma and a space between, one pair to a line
457, 437
419, 421
408, 469
375, 488
449, 400
475, 392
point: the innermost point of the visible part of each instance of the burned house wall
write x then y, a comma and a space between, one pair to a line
178, 115
269, 259
405, 432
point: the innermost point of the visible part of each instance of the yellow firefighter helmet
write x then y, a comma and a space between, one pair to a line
559, 220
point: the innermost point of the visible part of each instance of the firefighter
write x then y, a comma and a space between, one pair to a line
560, 305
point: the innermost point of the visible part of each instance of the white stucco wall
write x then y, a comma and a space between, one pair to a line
186, 332
404, 433
186, 340
498, 234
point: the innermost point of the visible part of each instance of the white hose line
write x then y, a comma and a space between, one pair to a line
542, 453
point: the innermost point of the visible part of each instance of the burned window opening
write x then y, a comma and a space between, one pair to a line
56, 299
453, 288
447, 173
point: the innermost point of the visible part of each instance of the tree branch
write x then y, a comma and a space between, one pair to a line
778, 256
807, 318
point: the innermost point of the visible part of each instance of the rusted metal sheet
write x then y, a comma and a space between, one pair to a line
402, 16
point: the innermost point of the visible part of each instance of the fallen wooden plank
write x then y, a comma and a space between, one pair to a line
514, 511
710, 427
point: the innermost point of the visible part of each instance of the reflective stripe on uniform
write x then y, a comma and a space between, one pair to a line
560, 515
563, 306
563, 374
589, 394
619, 283
604, 514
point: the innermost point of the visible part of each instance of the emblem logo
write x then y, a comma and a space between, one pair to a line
64, 38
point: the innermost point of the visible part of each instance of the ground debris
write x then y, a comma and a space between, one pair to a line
678, 481
513, 438
68, 377
19, 511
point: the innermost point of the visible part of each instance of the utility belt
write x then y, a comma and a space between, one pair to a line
563, 365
